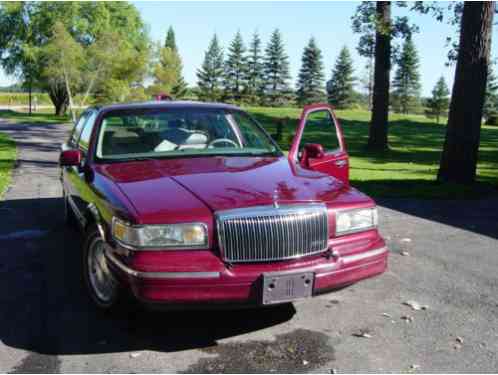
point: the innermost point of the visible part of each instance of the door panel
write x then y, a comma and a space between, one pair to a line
319, 125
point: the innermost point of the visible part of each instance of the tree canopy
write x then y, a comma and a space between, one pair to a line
28, 34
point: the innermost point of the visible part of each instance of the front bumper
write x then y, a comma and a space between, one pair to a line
218, 283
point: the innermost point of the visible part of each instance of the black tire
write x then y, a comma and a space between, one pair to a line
117, 297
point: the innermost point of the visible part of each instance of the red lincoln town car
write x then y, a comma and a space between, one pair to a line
194, 204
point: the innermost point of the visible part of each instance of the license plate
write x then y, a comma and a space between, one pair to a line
278, 288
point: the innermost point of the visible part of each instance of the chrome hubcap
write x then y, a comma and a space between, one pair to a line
103, 283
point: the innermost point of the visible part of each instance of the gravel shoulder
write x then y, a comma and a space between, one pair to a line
444, 254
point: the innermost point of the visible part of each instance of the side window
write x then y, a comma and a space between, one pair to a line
87, 131
75, 135
320, 128
252, 136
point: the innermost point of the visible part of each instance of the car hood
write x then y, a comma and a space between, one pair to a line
220, 182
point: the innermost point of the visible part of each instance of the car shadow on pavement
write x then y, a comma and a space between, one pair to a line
479, 215
44, 308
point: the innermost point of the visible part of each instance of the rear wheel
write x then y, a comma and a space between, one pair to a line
102, 286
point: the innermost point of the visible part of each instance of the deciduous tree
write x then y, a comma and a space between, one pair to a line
27, 28
377, 16
459, 158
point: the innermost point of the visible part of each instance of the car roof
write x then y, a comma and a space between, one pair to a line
170, 104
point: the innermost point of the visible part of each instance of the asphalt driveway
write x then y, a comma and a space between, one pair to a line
444, 257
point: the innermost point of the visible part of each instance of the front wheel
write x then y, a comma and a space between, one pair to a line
102, 286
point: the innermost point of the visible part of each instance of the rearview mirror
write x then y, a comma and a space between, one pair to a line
314, 150
70, 158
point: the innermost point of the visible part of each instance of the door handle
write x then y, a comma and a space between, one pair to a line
341, 163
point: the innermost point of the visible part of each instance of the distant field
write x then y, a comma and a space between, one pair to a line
22, 98
7, 160
410, 167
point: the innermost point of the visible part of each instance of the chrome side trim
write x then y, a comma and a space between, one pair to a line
364, 255
76, 211
158, 275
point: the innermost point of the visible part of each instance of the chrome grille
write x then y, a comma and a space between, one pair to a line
265, 233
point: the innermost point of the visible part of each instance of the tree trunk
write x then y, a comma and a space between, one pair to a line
377, 137
459, 158
30, 89
59, 98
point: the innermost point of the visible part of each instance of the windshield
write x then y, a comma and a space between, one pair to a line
180, 132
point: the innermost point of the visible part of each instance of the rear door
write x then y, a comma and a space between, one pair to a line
318, 125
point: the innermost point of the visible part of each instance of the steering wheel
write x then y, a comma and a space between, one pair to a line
222, 140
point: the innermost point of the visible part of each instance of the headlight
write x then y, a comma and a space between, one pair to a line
348, 221
192, 235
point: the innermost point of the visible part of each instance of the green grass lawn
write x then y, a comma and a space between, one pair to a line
410, 167
407, 170
7, 160
35, 118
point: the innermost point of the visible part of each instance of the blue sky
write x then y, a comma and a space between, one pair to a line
328, 22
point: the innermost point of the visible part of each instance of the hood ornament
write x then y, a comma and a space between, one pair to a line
275, 199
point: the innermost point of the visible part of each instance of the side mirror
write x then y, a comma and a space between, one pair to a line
70, 158
314, 150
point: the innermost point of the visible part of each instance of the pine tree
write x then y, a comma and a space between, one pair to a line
235, 69
340, 87
439, 102
168, 70
406, 83
276, 70
170, 39
210, 75
490, 109
254, 71
310, 80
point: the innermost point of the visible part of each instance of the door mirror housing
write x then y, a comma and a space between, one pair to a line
314, 150
69, 158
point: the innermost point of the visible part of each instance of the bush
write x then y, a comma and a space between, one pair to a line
492, 120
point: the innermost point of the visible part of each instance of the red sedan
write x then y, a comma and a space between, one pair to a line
185, 203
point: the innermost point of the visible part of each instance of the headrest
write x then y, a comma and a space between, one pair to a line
196, 139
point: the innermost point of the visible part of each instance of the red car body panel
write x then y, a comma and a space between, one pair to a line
182, 190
